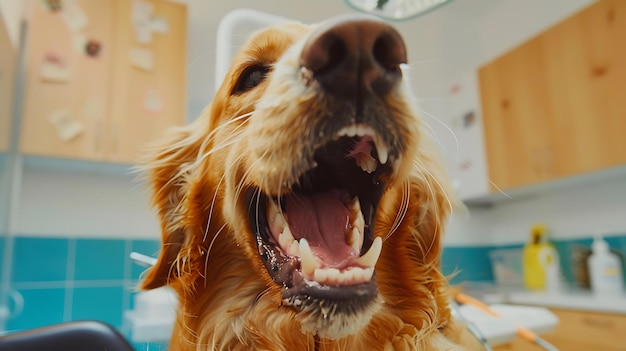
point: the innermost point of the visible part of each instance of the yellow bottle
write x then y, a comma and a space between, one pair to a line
534, 272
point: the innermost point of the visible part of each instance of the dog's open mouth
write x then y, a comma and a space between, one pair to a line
317, 239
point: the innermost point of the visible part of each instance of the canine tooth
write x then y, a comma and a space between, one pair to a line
286, 238
355, 239
308, 262
383, 152
371, 256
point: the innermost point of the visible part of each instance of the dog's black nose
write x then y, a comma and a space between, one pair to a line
352, 57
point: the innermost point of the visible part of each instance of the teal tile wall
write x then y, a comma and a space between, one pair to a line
100, 259
39, 260
65, 279
1, 247
468, 263
44, 306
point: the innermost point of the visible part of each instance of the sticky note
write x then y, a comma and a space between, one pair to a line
141, 58
73, 16
54, 69
159, 25
67, 128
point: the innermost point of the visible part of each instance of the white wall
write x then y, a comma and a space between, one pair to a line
77, 204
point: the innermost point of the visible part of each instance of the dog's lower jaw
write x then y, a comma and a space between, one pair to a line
320, 321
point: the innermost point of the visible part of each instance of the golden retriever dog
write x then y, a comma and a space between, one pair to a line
304, 209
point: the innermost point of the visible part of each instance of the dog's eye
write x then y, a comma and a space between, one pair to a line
250, 78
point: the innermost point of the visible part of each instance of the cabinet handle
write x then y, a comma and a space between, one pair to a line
598, 323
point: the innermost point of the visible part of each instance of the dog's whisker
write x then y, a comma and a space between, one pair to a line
212, 207
209, 250
403, 208
456, 140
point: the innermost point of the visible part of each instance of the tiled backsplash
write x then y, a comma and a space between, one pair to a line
65, 279
472, 263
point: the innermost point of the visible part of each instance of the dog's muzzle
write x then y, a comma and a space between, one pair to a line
317, 238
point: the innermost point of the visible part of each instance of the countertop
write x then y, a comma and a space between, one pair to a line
565, 298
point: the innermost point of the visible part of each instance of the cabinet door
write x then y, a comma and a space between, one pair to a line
146, 101
588, 331
8, 60
516, 115
585, 64
66, 91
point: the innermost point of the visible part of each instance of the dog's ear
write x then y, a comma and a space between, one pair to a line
167, 167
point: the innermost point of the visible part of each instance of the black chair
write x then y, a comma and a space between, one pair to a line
72, 336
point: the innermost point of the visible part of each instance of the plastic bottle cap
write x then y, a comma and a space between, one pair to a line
599, 245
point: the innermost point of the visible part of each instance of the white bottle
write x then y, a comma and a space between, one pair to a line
605, 269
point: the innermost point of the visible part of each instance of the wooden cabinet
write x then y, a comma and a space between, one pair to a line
8, 63
132, 123
101, 107
555, 106
581, 331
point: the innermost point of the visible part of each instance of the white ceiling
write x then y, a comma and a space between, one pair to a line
423, 34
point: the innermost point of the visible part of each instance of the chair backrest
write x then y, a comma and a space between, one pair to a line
72, 336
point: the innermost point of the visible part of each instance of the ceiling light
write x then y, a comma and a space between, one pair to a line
396, 9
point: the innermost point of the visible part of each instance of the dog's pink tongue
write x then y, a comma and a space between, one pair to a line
322, 219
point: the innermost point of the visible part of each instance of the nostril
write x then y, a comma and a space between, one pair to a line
389, 51
337, 52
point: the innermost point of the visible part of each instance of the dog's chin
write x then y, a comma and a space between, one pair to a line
316, 238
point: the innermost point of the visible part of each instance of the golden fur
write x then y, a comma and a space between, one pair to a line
199, 173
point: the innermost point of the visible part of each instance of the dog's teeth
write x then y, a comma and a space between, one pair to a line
285, 239
333, 275
371, 256
355, 205
294, 249
383, 152
355, 239
367, 163
277, 221
308, 262
320, 275
359, 222
352, 275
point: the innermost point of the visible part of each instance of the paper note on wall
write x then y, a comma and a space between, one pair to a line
142, 58
159, 25
54, 69
66, 127
73, 15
